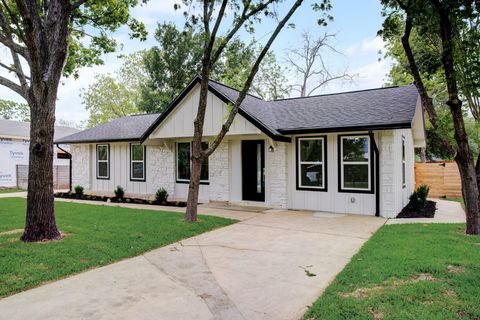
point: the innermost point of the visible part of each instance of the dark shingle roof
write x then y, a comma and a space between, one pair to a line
127, 128
366, 108
391, 107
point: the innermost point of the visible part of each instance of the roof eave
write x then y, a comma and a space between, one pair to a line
80, 141
403, 125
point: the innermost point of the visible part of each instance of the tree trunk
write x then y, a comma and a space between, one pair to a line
40, 218
193, 190
464, 155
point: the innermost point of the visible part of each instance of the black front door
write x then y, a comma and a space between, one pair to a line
253, 167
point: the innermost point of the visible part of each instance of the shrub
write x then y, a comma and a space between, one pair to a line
78, 190
161, 195
119, 192
419, 197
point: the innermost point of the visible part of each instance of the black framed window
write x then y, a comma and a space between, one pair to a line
103, 161
311, 163
355, 163
404, 174
137, 162
183, 153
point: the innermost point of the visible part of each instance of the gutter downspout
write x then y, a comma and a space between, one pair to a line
377, 173
69, 167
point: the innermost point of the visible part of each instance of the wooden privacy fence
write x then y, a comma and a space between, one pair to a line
61, 177
443, 178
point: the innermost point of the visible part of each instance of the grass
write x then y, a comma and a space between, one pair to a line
96, 236
418, 271
11, 190
460, 199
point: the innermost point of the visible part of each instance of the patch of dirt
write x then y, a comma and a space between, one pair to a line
6, 233
377, 315
411, 211
422, 277
455, 269
449, 293
365, 293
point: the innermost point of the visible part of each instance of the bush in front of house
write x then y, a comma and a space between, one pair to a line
161, 196
119, 193
418, 198
419, 206
78, 190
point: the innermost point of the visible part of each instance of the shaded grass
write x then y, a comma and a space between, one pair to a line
415, 271
96, 236
11, 190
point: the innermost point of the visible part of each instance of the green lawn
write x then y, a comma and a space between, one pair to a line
96, 236
11, 190
416, 271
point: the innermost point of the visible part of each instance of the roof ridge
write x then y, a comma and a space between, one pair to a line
142, 114
227, 86
340, 93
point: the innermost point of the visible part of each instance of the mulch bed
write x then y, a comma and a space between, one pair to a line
71, 195
411, 212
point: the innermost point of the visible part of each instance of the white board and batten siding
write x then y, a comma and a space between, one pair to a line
179, 123
119, 172
393, 196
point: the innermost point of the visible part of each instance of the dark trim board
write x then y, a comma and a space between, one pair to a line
325, 164
102, 141
339, 164
345, 129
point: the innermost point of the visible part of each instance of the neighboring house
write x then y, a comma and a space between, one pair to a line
14, 149
349, 152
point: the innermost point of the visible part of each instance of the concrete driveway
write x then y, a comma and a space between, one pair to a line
271, 265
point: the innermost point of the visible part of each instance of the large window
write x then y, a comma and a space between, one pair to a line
355, 163
404, 176
103, 161
311, 162
137, 162
183, 162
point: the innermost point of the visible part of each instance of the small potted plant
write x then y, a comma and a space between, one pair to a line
119, 194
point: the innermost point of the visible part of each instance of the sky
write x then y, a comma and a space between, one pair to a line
355, 25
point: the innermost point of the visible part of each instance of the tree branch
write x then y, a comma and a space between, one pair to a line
244, 16
248, 82
12, 86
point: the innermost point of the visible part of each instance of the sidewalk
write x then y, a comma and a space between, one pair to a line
447, 212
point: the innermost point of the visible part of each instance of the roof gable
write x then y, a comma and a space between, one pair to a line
179, 122
225, 94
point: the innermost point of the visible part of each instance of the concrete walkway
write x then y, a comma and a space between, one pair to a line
269, 266
447, 212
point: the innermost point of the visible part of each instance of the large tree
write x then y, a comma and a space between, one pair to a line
211, 15
118, 95
445, 19
176, 59
308, 60
47, 39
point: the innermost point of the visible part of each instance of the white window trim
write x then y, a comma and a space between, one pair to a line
369, 188
300, 162
137, 161
176, 164
404, 163
107, 161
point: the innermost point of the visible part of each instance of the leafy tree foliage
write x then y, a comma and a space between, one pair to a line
114, 96
176, 60
11, 110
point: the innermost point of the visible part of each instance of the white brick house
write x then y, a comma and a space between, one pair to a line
349, 152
